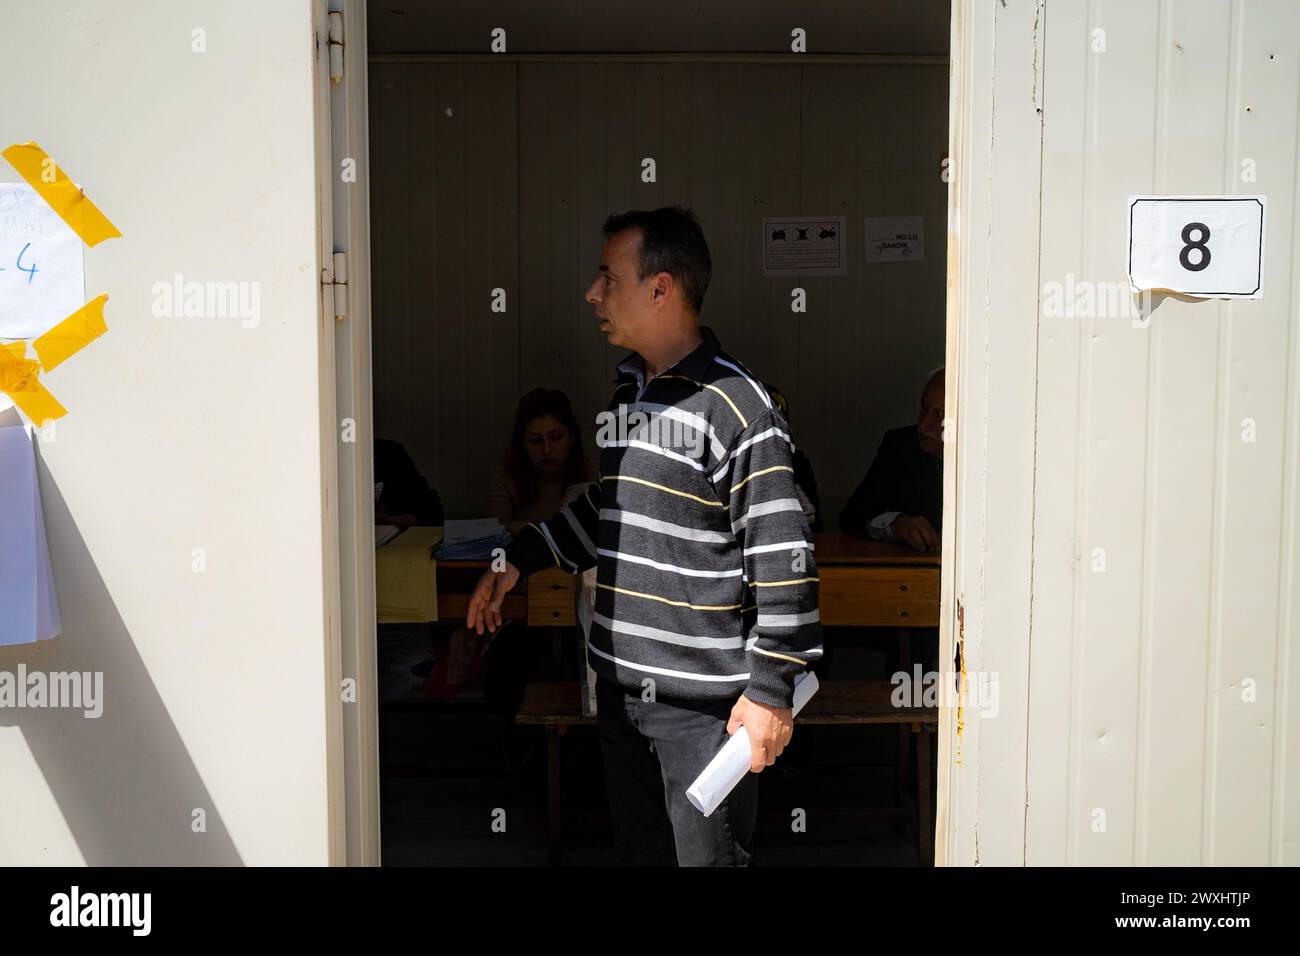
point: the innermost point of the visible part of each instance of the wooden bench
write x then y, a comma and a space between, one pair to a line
556, 707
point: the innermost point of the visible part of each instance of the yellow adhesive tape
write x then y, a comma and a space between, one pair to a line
63, 195
72, 334
18, 380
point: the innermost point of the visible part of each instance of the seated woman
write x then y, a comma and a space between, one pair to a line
544, 467
543, 463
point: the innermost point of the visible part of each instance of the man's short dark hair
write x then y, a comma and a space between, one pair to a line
673, 242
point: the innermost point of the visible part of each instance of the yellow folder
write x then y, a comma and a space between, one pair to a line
406, 585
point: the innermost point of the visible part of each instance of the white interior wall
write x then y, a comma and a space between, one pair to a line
492, 175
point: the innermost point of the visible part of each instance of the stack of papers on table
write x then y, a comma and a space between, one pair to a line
472, 540
406, 586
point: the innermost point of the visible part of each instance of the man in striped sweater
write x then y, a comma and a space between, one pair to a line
706, 589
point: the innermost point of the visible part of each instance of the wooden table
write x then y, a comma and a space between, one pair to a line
544, 599
863, 584
866, 583
875, 583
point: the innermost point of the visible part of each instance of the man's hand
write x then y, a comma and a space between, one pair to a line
916, 532
485, 602
402, 521
769, 730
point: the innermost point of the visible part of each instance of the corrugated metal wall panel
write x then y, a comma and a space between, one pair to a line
444, 234
529, 169
1164, 543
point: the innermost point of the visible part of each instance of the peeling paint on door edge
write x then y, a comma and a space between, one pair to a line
961, 670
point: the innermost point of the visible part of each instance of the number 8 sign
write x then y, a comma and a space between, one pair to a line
1208, 246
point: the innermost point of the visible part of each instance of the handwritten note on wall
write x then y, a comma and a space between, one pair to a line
42, 278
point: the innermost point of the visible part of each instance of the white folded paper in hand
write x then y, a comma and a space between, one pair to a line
732, 762
29, 609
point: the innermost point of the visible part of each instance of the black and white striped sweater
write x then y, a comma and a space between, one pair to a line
705, 580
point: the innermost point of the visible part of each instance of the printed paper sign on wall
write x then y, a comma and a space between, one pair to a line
895, 239
803, 246
1211, 246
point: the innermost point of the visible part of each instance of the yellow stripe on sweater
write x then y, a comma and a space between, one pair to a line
664, 600
783, 657
548, 544
764, 471
671, 491
727, 399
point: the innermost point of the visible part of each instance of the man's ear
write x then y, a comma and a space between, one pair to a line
663, 283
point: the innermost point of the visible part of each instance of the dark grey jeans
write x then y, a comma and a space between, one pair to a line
653, 751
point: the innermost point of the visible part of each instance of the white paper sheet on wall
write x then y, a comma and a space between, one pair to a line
804, 246
1206, 246
895, 239
42, 275
29, 607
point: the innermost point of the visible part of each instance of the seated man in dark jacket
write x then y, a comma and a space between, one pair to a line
402, 495
901, 497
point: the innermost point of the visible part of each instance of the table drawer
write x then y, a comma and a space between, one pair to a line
550, 599
879, 597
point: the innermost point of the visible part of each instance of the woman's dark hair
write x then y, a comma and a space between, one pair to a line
537, 404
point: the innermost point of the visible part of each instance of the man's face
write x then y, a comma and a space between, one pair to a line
625, 304
929, 426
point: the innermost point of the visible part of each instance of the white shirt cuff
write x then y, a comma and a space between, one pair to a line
879, 527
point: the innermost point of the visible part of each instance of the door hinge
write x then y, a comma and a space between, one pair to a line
337, 279
336, 46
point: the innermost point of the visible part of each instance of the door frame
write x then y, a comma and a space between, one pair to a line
354, 751
352, 692
994, 219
